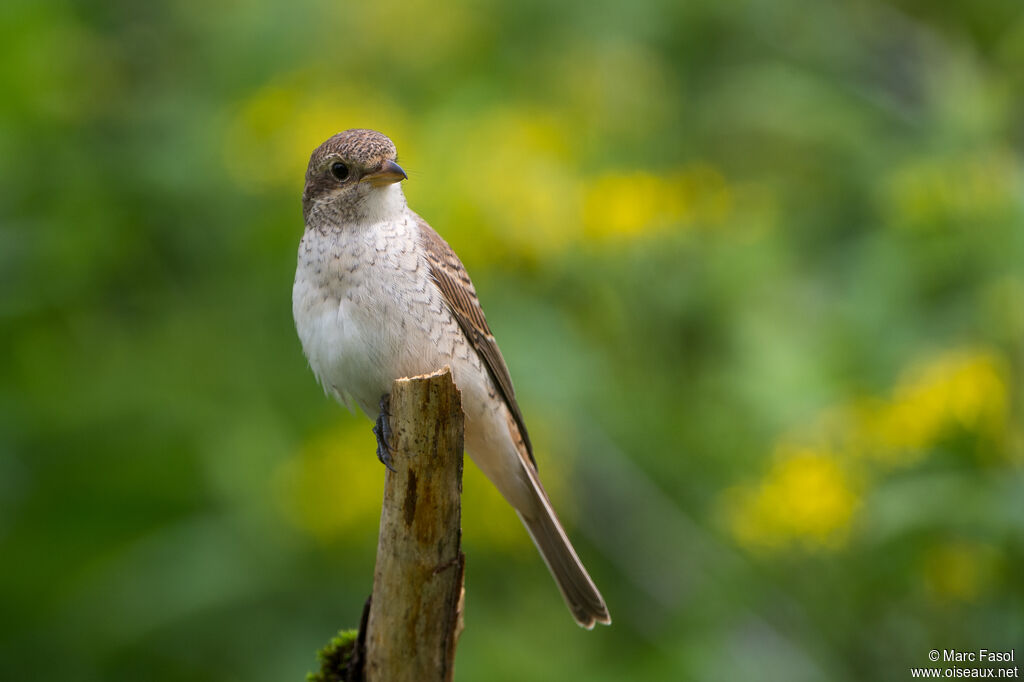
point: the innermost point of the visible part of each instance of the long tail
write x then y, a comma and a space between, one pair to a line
581, 595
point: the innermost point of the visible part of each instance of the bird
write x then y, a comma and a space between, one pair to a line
379, 295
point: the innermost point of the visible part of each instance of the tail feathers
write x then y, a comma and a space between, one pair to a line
578, 590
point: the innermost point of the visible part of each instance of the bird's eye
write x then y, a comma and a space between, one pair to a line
339, 171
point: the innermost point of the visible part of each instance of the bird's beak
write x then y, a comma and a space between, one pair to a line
389, 172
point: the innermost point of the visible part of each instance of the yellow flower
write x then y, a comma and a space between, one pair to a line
628, 204
806, 498
333, 486
962, 389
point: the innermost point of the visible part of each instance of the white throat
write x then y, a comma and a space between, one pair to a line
383, 204
369, 206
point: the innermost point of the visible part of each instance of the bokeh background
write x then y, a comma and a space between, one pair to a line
757, 269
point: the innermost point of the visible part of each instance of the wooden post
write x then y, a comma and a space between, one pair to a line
416, 607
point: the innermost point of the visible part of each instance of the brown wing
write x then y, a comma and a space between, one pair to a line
453, 281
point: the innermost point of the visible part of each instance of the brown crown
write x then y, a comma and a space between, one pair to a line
362, 147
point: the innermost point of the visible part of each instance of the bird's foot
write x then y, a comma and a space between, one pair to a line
382, 429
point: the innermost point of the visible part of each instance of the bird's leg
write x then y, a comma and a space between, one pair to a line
382, 429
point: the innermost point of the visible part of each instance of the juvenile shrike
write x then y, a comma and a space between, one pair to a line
379, 295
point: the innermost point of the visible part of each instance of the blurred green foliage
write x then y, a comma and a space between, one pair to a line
756, 268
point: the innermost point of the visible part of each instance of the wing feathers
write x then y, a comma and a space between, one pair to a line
452, 279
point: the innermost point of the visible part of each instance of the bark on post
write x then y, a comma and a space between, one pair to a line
416, 608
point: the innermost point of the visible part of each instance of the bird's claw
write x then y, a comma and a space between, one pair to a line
382, 430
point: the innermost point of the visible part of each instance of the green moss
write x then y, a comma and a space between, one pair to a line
335, 658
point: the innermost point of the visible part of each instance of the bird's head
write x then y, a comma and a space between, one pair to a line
349, 168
